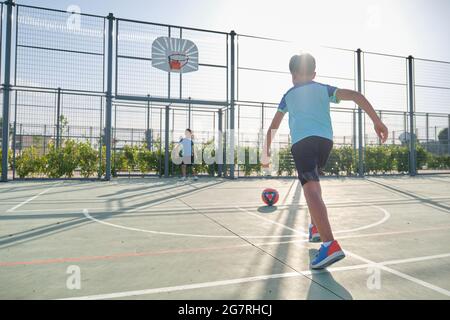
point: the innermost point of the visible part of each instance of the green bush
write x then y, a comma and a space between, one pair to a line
332, 166
377, 159
29, 163
422, 156
144, 159
286, 163
438, 162
400, 158
346, 160
209, 149
250, 168
62, 161
87, 159
80, 156
130, 154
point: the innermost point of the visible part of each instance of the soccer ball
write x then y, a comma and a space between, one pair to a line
269, 196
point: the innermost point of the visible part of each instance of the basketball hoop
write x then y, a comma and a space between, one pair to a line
177, 61
174, 55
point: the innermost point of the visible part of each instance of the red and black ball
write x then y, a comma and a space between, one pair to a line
269, 196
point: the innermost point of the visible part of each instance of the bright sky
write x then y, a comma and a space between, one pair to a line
403, 27
400, 27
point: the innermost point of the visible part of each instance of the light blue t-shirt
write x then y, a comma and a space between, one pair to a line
186, 147
308, 105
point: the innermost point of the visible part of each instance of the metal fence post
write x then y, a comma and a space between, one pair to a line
219, 157
448, 135
405, 122
232, 100
58, 118
427, 128
15, 138
189, 113
166, 142
354, 131
6, 90
148, 131
45, 138
411, 105
360, 121
262, 116
108, 120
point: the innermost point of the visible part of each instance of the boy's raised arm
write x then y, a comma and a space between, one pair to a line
363, 103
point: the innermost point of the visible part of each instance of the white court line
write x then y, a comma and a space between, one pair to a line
290, 196
32, 198
418, 259
297, 232
402, 275
364, 235
272, 222
398, 273
63, 210
86, 213
216, 207
250, 279
301, 233
204, 187
386, 216
406, 194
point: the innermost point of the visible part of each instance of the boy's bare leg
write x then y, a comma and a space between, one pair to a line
317, 209
183, 170
311, 216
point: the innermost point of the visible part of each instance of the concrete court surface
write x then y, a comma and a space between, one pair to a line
151, 238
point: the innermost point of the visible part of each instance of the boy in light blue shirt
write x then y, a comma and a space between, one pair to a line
187, 152
308, 106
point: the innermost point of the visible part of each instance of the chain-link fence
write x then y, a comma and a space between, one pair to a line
82, 100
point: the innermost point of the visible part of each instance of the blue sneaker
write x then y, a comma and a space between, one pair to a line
327, 256
314, 235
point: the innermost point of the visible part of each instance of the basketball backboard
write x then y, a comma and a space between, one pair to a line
174, 55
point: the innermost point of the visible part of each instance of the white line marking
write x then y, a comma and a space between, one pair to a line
248, 279
86, 213
418, 259
272, 222
32, 198
386, 216
297, 232
401, 274
184, 287
406, 194
62, 210
398, 273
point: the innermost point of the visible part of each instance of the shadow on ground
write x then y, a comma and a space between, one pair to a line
323, 278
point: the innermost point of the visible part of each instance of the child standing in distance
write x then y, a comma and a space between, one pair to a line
308, 105
187, 154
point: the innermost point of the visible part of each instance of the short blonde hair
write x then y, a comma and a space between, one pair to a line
304, 62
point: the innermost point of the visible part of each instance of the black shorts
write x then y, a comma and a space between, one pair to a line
311, 154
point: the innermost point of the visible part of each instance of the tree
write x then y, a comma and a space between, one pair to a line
443, 136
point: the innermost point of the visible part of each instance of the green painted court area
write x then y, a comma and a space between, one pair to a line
151, 238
